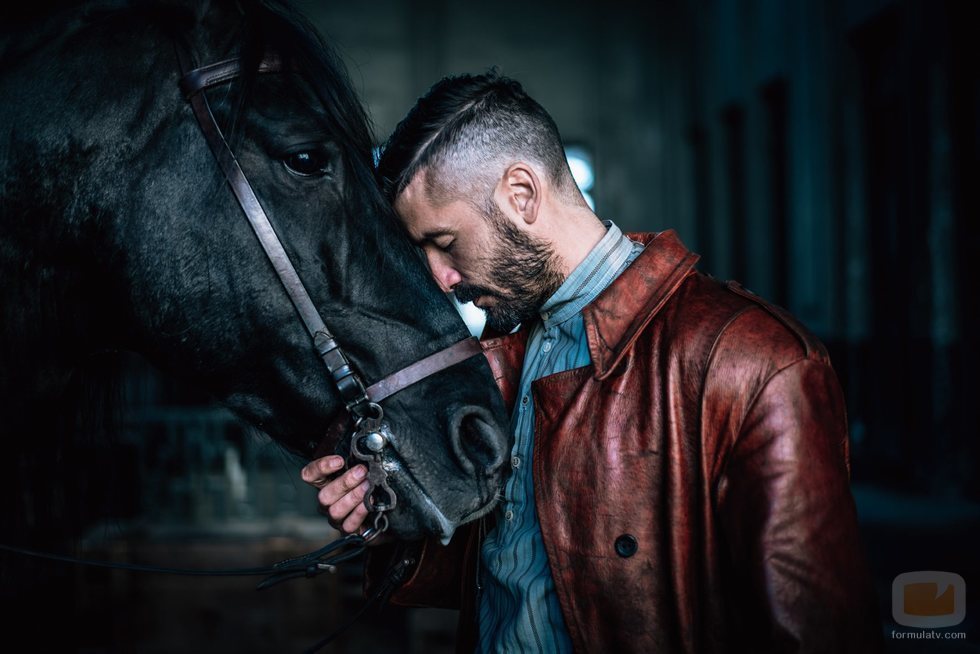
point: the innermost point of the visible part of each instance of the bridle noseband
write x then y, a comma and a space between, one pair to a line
373, 433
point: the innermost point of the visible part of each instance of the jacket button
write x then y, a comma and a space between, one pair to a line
626, 545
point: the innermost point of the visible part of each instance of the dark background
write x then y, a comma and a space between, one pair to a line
822, 153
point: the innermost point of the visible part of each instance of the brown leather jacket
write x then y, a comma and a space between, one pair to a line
691, 484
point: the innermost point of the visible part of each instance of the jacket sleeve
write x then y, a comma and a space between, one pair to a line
800, 582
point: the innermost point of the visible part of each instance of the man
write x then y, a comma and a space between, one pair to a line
680, 470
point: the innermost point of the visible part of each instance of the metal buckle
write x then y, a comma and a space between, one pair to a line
367, 445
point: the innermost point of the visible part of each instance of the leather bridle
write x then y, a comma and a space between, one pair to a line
362, 401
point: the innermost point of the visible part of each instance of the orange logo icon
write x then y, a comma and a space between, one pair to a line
928, 599
924, 599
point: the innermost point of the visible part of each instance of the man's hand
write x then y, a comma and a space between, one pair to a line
341, 497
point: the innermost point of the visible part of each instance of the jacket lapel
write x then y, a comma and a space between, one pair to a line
614, 320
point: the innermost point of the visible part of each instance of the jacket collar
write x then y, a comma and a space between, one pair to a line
615, 319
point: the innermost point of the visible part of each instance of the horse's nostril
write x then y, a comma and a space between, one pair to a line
480, 447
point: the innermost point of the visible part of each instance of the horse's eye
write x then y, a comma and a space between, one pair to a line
308, 163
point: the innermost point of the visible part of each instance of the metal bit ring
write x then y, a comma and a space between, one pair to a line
380, 526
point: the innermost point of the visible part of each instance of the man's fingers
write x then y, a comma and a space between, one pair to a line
341, 497
319, 472
347, 503
355, 519
342, 485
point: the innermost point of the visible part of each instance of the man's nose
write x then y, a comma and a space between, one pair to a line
445, 275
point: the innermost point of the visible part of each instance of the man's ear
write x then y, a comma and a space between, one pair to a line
522, 191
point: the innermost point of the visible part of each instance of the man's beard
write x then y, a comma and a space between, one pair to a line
522, 267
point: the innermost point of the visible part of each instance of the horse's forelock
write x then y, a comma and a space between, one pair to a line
275, 26
272, 25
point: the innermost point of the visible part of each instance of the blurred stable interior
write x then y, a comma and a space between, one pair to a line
823, 153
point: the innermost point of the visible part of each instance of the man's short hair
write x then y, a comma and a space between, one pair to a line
464, 132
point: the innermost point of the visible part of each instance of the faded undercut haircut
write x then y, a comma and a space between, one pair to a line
464, 133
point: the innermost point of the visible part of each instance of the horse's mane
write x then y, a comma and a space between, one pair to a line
274, 25
268, 25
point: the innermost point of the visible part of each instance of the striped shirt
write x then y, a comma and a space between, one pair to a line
519, 610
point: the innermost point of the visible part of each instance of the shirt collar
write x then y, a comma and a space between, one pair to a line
599, 268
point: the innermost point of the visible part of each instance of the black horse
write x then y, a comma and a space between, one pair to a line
118, 232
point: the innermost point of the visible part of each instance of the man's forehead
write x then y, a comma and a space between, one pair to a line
416, 191
424, 218
412, 205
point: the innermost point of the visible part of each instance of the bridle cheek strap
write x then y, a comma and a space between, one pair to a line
356, 397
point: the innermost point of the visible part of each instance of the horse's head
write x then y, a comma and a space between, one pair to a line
107, 149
